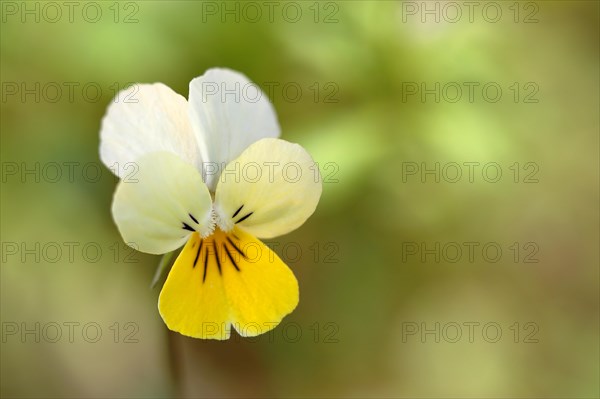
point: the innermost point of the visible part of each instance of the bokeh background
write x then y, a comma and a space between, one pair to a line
367, 299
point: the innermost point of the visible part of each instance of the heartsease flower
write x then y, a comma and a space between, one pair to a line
211, 175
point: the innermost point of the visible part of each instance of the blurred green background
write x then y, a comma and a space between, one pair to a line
374, 301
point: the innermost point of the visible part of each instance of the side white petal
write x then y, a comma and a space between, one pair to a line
146, 118
275, 182
228, 113
153, 207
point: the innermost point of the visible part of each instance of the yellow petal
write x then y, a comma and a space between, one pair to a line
223, 280
263, 291
192, 303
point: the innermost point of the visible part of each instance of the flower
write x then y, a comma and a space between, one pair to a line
210, 173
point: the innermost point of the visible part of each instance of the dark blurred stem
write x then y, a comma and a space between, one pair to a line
174, 365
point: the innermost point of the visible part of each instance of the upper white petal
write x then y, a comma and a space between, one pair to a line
276, 182
151, 206
228, 113
146, 118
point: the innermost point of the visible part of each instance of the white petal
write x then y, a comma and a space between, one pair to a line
228, 113
274, 180
152, 208
146, 118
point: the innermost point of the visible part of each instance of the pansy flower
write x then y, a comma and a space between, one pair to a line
210, 174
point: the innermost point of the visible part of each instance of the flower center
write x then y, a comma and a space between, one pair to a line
227, 223
217, 219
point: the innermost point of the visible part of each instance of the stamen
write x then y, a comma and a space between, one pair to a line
197, 253
238, 211
236, 248
231, 257
187, 227
205, 265
217, 256
244, 218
